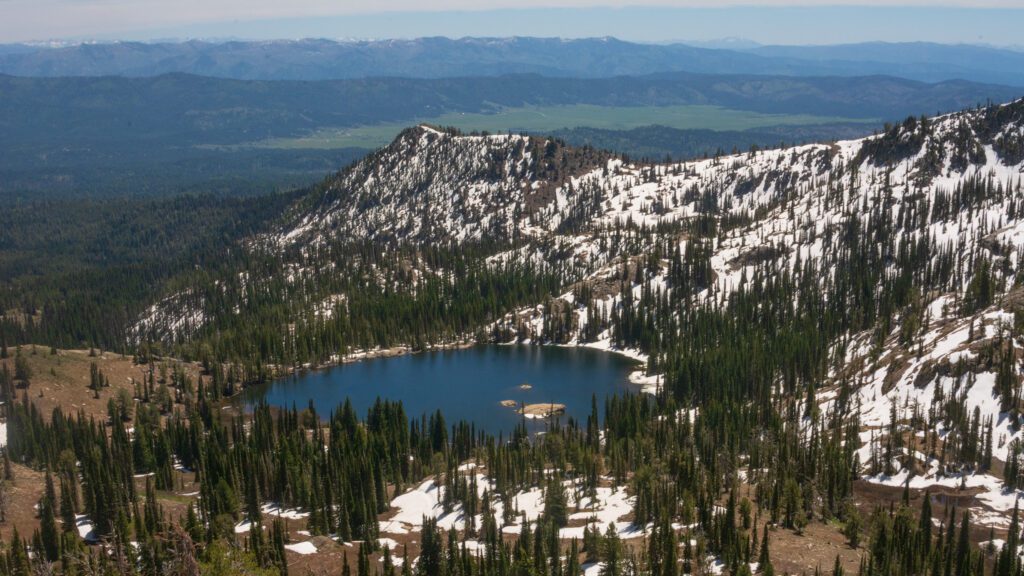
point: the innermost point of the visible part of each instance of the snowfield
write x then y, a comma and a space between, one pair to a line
426, 500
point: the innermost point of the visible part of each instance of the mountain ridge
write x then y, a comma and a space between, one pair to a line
435, 57
518, 188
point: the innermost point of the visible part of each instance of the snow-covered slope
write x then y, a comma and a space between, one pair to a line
431, 186
938, 411
592, 215
938, 200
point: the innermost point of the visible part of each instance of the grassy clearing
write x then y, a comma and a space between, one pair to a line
547, 118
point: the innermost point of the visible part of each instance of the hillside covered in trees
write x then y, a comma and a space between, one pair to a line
831, 335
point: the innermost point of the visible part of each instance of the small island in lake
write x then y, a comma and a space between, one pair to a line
526, 386
543, 410
509, 403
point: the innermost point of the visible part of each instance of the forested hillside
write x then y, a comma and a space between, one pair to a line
76, 273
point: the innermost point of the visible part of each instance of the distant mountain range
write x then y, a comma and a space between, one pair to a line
443, 57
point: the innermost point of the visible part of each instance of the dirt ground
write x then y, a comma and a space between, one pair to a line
22, 495
869, 496
24, 492
62, 378
817, 547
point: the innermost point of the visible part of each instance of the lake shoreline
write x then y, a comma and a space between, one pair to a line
402, 350
480, 376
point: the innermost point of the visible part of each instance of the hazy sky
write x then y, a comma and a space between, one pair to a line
767, 21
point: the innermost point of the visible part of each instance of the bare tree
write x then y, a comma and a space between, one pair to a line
43, 568
83, 563
182, 560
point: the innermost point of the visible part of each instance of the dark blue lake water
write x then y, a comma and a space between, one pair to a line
464, 384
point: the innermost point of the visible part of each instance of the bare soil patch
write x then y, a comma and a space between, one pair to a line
62, 378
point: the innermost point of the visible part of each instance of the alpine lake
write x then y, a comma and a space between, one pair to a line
488, 385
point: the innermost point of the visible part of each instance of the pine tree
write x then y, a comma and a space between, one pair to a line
49, 534
388, 566
852, 525
612, 557
964, 564
406, 562
278, 539
346, 570
764, 556
556, 504
1007, 562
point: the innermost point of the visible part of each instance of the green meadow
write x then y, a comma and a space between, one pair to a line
548, 118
